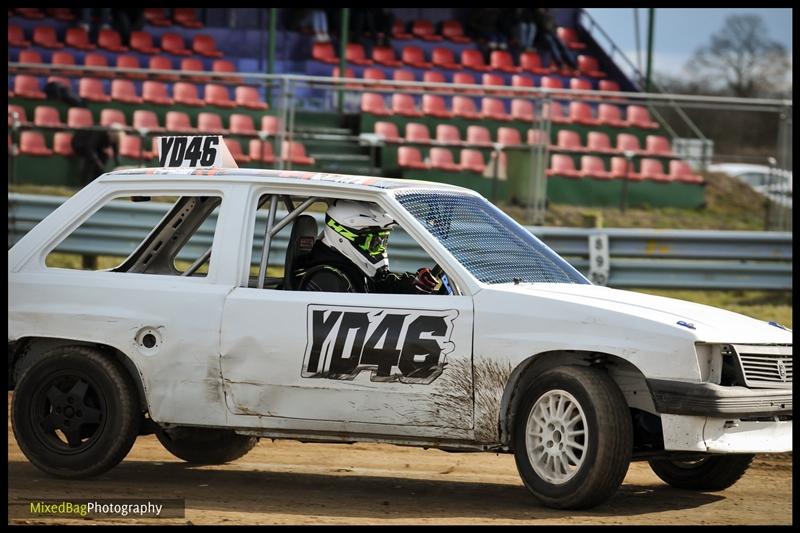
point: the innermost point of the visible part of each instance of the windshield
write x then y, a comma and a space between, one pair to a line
489, 244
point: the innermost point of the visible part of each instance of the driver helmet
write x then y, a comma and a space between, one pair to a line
360, 232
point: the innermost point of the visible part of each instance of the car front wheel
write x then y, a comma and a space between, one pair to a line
573, 437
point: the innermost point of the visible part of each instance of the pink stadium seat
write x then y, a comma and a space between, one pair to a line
373, 74
464, 107
493, 108
192, 64
222, 66
417, 133
210, 123
608, 85
580, 84
442, 159
172, 43
354, 53
296, 153
248, 97
242, 124
186, 94
621, 168
653, 170
639, 117
424, 30
146, 119
531, 62
473, 59
178, 121
656, 144
324, 52
30, 57
570, 37
110, 40
62, 143
537, 136
410, 157
478, 135
44, 115
493, 80
155, 92
112, 116
142, 41
131, 146
348, 73
434, 76
472, 160
681, 171
466, 79
78, 37
217, 95
519, 80
404, 75
399, 31
130, 61
581, 113
509, 136
388, 130
448, 134
444, 58
403, 104
554, 112
20, 112
628, 142
94, 59
609, 115
162, 62
374, 104
61, 58
569, 140
16, 36
502, 60
593, 167
236, 151
414, 56
124, 91
32, 143
434, 106
79, 117
522, 109
384, 55
551, 82
562, 165
46, 37
155, 16
186, 17
270, 124
453, 31
92, 89
261, 151
205, 46
588, 65
598, 141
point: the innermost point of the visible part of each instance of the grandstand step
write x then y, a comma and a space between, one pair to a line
322, 146
344, 158
323, 131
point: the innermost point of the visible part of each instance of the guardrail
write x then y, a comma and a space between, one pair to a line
624, 258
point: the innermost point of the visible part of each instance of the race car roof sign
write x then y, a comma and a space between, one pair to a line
205, 151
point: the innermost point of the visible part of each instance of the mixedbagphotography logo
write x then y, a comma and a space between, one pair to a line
105, 508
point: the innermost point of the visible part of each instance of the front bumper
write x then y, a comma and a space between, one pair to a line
725, 435
707, 399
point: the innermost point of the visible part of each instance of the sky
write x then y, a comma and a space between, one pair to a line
680, 31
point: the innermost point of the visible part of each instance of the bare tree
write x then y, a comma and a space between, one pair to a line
744, 59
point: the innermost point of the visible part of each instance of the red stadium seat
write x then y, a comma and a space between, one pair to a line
465, 78
92, 89
374, 104
593, 167
61, 58
178, 121
32, 143
608, 85
155, 92
124, 91
410, 157
434, 76
628, 142
609, 115
562, 165
66, 82
551, 82
388, 130
442, 159
522, 109
94, 59
570, 37
399, 31
414, 56
62, 14
242, 124
589, 66
581, 113
210, 123
473, 59
79, 117
374, 74
156, 17
172, 43
580, 84
186, 17
464, 107
130, 146
354, 53
518, 80
417, 133
44, 115
653, 170
490, 81
270, 124
110, 40
681, 171
598, 141
472, 160
639, 117
569, 140
112, 116
32, 13
424, 30
16, 36
537, 136
324, 52
218, 95
162, 62
444, 58
453, 31
62, 143
296, 153
493, 108
186, 94
348, 73
20, 112
46, 37
142, 41
205, 46
448, 134
509, 136
144, 119
502, 60
31, 57
384, 55
261, 152
403, 75
130, 61
553, 111
192, 64
531, 62
223, 66
248, 97
621, 168
78, 38
656, 144
478, 135
403, 104
434, 106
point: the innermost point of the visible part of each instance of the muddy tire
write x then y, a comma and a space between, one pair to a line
573, 437
206, 446
710, 474
75, 412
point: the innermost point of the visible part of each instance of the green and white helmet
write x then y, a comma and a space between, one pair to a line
360, 231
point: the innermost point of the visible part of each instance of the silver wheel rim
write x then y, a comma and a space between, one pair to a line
556, 436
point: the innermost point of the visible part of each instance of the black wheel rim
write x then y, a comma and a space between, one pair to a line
68, 413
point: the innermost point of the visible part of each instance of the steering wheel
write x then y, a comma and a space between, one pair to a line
446, 286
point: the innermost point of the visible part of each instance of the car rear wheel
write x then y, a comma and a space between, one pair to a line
711, 473
75, 412
205, 445
573, 438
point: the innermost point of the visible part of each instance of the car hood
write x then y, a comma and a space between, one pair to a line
711, 324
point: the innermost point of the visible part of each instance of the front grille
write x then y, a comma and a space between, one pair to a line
765, 366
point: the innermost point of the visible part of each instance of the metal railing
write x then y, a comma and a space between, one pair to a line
624, 258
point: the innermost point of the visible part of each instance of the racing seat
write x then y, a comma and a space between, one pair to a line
301, 240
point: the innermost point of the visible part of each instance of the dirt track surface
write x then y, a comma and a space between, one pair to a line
287, 482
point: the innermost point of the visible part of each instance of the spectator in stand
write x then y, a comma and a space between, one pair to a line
93, 147
526, 29
547, 41
57, 91
319, 21
123, 20
376, 20
491, 28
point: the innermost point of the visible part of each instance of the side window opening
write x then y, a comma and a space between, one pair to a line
148, 235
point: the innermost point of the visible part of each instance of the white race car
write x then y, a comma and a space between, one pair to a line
517, 352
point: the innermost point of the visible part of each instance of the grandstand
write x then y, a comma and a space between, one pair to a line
480, 126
